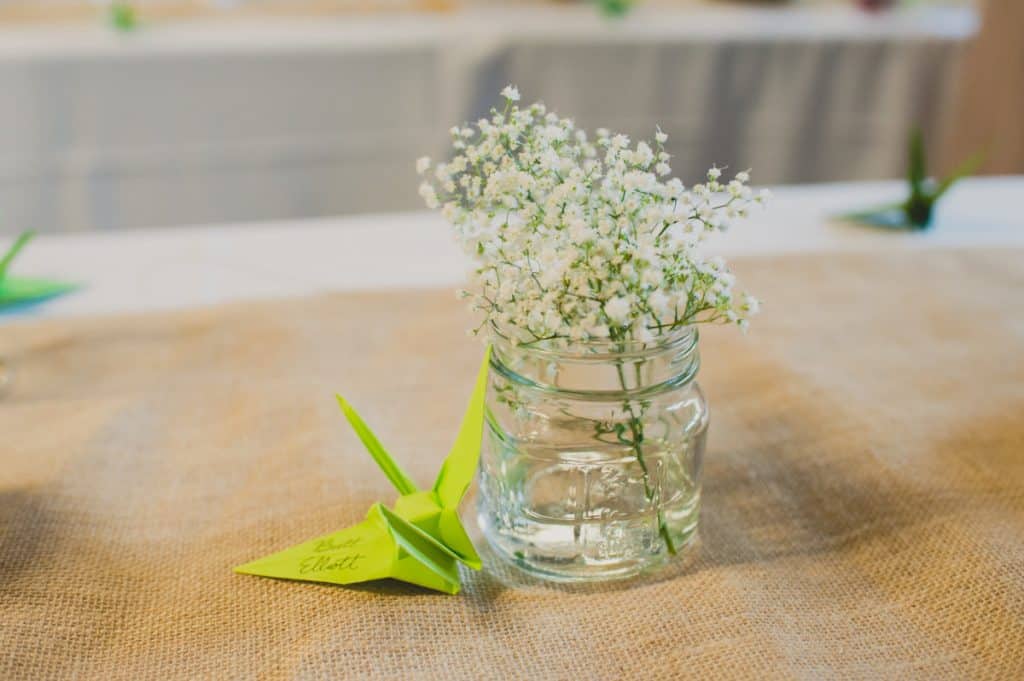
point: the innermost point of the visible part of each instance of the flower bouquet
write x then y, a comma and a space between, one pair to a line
589, 281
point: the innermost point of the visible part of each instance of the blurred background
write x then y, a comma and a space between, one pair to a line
165, 113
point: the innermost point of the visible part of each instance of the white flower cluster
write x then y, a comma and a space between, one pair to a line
579, 240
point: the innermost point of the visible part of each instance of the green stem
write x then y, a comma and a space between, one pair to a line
636, 428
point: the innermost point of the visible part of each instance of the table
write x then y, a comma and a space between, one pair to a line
209, 122
862, 513
182, 267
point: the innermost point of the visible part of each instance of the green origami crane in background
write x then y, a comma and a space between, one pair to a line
917, 211
24, 291
122, 17
421, 541
614, 8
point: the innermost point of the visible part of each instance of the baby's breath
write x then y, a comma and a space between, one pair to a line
577, 239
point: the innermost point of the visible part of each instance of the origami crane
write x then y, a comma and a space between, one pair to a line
421, 541
917, 210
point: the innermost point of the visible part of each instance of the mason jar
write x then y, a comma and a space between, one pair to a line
591, 460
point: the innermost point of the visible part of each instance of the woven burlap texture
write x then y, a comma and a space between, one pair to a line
863, 511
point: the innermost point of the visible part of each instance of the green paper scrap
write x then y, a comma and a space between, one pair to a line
25, 291
420, 541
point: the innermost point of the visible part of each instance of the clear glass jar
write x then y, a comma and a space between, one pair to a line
591, 461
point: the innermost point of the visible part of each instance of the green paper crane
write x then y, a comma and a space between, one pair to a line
614, 8
421, 541
923, 192
17, 291
917, 210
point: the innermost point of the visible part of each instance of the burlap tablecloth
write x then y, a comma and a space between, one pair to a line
864, 512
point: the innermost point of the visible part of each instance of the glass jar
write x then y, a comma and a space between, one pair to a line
591, 461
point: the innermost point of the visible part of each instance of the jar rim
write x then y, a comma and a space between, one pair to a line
603, 350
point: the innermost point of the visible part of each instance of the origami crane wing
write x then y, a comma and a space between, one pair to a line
422, 559
459, 466
384, 545
17, 291
458, 470
22, 291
